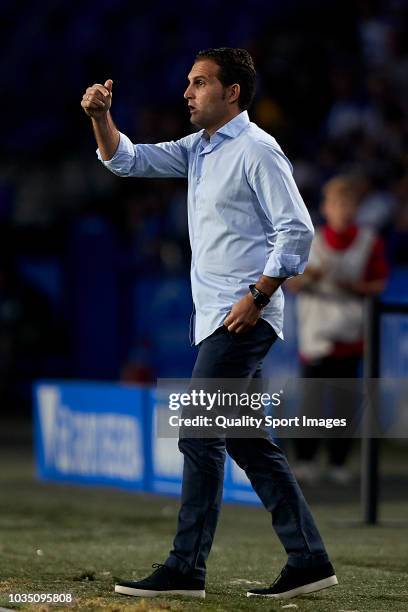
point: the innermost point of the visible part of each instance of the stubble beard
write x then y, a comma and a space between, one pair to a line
196, 122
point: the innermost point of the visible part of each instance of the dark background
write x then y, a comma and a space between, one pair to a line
93, 268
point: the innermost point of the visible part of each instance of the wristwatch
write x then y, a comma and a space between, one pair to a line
260, 299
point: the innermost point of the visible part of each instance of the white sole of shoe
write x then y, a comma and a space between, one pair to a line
124, 590
302, 590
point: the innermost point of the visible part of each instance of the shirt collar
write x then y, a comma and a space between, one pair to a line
235, 126
231, 129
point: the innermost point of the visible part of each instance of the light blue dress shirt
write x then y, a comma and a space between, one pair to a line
245, 214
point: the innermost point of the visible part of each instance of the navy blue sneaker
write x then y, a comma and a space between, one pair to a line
294, 581
163, 581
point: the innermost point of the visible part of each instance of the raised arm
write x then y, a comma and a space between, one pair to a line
119, 154
96, 102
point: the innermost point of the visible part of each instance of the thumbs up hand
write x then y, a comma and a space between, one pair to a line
108, 84
97, 99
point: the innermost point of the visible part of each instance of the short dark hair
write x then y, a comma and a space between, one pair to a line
236, 66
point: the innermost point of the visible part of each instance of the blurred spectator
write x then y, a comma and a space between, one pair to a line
346, 263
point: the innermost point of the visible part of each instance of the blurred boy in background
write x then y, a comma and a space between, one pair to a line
346, 263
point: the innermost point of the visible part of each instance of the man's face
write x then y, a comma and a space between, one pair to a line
208, 101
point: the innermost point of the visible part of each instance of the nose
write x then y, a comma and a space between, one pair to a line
187, 94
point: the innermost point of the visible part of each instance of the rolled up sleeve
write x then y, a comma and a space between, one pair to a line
270, 176
165, 159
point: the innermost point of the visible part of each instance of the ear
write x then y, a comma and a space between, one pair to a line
234, 93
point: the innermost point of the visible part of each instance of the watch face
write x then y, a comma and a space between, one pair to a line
260, 300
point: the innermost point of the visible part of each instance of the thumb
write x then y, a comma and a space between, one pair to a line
108, 85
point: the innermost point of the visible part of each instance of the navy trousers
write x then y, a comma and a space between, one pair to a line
230, 355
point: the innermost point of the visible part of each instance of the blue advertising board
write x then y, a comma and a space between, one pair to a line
91, 433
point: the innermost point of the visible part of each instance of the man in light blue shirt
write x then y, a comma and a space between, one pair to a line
249, 230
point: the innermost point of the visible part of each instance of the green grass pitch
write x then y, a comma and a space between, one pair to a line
66, 539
